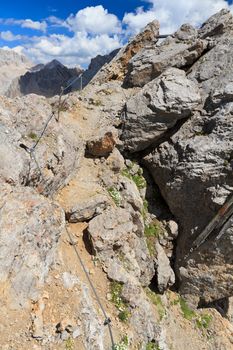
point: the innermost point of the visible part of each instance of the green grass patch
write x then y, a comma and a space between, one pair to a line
115, 195
120, 304
152, 346
152, 233
188, 313
157, 301
123, 344
138, 178
144, 211
124, 315
203, 321
153, 230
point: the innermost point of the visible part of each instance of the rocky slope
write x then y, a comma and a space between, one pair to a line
12, 65
128, 176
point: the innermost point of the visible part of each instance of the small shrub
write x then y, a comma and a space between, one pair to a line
138, 178
33, 136
116, 290
115, 195
69, 344
152, 230
95, 102
152, 346
124, 315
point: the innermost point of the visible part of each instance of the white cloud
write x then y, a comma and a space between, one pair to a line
171, 14
25, 23
9, 36
28, 23
137, 20
76, 50
94, 20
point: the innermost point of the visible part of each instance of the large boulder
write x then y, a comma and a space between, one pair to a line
194, 173
30, 229
158, 107
218, 25
117, 68
180, 50
116, 239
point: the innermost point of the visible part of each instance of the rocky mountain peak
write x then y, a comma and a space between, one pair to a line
53, 64
132, 176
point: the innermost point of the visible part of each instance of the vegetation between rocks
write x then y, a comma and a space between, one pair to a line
202, 321
120, 304
136, 176
157, 301
152, 346
115, 195
152, 232
123, 344
69, 344
33, 136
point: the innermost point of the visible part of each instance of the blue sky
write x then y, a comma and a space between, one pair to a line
75, 31
62, 8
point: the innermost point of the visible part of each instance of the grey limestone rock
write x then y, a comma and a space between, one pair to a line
87, 209
57, 155
165, 274
30, 229
217, 25
180, 51
114, 235
194, 173
157, 108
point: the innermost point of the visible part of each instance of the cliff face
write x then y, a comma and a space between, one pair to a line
127, 173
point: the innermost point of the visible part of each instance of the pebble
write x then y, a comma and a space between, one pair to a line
76, 333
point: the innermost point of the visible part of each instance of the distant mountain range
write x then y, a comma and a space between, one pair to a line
19, 77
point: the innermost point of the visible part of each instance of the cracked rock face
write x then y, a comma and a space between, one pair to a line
30, 229
194, 173
193, 169
158, 107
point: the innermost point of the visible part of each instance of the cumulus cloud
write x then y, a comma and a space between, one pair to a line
171, 14
94, 20
75, 50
